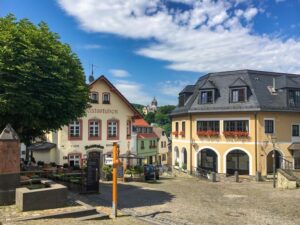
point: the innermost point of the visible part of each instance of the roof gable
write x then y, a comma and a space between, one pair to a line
239, 83
118, 93
209, 84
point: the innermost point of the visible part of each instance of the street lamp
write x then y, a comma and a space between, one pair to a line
273, 139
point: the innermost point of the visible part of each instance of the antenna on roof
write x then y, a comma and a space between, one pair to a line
91, 77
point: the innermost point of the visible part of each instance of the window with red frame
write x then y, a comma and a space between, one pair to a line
128, 128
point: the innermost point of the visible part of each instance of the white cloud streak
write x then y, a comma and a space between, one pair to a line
119, 73
207, 36
91, 46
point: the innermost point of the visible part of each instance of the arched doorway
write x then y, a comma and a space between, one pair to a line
183, 158
237, 160
278, 160
207, 159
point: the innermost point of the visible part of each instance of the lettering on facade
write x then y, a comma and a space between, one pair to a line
103, 111
93, 146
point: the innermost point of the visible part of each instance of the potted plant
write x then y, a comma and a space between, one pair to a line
175, 133
184, 167
107, 172
182, 133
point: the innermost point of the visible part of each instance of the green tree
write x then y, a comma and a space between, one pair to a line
150, 117
41, 80
166, 109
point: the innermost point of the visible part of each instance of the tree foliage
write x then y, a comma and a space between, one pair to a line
41, 79
150, 117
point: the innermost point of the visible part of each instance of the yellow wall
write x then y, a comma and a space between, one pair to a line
222, 145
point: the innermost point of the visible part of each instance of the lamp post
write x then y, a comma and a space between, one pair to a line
273, 139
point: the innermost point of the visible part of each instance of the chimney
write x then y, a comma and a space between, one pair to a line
274, 86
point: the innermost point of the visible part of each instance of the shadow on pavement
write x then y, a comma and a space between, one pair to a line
155, 213
129, 196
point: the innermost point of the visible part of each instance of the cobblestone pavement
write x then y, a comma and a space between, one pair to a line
176, 201
193, 201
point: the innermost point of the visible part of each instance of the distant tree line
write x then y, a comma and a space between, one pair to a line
161, 117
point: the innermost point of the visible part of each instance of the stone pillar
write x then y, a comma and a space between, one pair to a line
9, 165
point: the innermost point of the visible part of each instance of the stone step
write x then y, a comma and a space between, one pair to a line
71, 214
98, 216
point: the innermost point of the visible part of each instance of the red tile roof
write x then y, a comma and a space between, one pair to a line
147, 135
140, 123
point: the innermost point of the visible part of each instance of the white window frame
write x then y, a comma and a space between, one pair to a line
74, 129
94, 128
112, 129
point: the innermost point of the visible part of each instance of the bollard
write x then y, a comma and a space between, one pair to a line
258, 176
236, 176
213, 177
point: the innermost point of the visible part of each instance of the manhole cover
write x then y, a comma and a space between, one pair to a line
235, 214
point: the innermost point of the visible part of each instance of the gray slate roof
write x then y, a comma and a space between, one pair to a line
41, 146
258, 84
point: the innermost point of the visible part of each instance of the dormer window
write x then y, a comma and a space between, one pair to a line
106, 98
206, 97
238, 95
94, 97
294, 98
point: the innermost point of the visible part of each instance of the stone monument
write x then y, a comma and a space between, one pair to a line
9, 165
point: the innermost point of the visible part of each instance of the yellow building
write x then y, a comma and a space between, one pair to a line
108, 120
226, 121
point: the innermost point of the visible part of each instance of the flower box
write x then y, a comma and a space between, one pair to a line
175, 133
182, 133
208, 133
236, 133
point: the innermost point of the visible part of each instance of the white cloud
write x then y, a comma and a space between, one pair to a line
250, 13
119, 73
91, 46
134, 92
205, 37
172, 88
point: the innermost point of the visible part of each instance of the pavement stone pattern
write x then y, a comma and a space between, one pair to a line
180, 201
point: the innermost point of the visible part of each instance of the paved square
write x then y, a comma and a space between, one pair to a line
193, 201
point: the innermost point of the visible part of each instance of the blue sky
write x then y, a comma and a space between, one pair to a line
155, 47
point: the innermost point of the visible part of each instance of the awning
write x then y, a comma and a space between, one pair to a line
129, 155
41, 146
294, 146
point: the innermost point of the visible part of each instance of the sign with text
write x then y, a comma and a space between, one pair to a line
108, 161
103, 111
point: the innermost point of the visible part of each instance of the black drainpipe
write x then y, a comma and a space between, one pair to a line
255, 116
191, 146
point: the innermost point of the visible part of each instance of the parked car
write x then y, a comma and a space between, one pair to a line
149, 171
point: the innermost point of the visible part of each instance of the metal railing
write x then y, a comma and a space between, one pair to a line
286, 164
